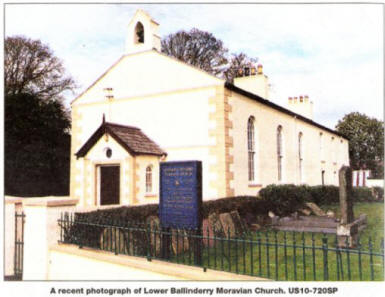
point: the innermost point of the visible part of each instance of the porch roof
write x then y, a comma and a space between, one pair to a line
132, 139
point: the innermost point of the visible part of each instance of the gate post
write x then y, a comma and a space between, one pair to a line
9, 238
41, 232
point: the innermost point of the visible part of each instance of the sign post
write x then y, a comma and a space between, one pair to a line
181, 202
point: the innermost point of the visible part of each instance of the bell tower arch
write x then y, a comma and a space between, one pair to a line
142, 33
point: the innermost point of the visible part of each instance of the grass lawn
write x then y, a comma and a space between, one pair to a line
375, 227
303, 256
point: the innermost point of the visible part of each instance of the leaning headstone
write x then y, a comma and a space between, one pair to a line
315, 209
238, 224
228, 224
305, 211
180, 243
216, 225
155, 238
114, 240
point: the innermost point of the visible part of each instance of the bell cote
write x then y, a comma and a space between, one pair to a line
142, 33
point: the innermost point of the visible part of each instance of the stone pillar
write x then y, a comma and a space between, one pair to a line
346, 232
11, 206
41, 232
346, 198
9, 238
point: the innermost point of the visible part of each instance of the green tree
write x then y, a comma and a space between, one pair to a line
37, 125
366, 141
37, 146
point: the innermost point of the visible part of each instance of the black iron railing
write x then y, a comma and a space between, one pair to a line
270, 254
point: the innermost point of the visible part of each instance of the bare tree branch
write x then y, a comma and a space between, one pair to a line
31, 67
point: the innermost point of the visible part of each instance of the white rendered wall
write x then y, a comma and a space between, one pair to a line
266, 122
41, 232
178, 122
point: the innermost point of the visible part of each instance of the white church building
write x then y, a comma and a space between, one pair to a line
149, 107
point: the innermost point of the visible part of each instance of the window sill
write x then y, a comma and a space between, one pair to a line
150, 195
254, 185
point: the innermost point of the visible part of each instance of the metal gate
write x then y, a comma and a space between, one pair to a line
19, 245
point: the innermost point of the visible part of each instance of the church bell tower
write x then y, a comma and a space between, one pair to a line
142, 33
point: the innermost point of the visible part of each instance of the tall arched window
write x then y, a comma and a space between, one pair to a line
321, 146
139, 33
149, 179
333, 149
300, 157
279, 152
251, 148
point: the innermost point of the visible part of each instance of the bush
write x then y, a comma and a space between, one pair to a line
243, 204
284, 199
362, 194
323, 195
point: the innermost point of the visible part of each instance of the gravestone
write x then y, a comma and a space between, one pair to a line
179, 241
215, 224
155, 238
239, 227
347, 232
315, 209
180, 204
227, 224
114, 240
346, 198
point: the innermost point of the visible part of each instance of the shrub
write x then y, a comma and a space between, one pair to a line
362, 194
243, 204
323, 195
284, 199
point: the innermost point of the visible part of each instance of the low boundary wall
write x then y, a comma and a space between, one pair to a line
69, 262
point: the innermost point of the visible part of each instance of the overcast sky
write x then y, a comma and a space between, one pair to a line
331, 52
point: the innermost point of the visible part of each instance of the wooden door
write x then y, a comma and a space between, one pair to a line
109, 185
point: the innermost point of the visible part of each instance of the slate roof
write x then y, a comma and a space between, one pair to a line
259, 99
132, 139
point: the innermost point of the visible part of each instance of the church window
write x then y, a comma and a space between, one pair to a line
139, 33
279, 152
149, 179
300, 157
251, 148
321, 146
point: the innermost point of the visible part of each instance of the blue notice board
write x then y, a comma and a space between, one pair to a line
181, 194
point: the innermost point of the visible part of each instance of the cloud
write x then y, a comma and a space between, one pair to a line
333, 53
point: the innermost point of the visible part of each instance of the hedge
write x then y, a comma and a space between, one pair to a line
282, 200
291, 197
